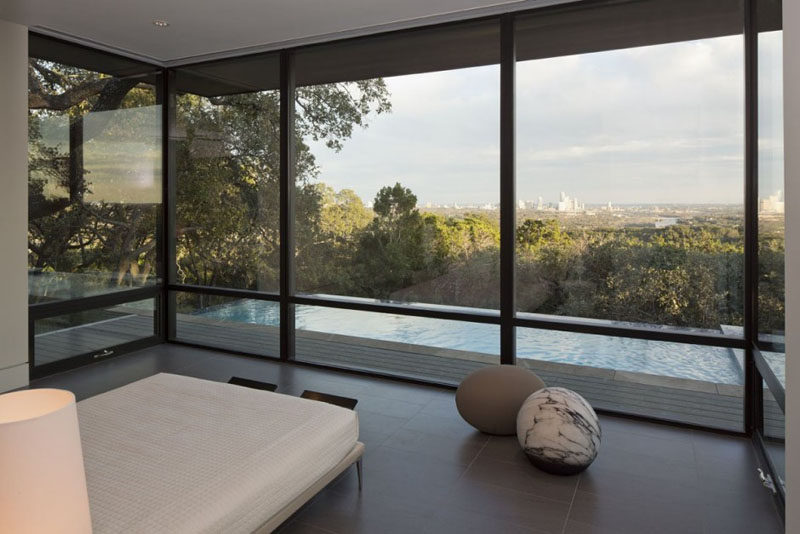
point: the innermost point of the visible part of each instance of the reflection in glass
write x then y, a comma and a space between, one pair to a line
94, 182
245, 325
774, 433
771, 221
95, 330
227, 209
777, 364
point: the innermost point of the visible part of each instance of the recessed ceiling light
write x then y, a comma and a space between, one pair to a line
159, 23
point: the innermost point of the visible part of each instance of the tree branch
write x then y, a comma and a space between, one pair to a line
39, 99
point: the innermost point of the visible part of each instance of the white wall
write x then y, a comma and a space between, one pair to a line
791, 91
13, 206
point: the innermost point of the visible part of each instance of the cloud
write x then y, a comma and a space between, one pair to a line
651, 124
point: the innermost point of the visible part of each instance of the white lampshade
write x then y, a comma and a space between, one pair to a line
42, 480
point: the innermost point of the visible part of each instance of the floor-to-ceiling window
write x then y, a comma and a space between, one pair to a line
630, 187
771, 353
95, 187
397, 199
631, 236
225, 145
629, 241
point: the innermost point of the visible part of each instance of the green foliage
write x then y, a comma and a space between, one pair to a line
67, 231
228, 186
682, 275
227, 182
330, 232
394, 203
532, 235
227, 161
391, 251
771, 282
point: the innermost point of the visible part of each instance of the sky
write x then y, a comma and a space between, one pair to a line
657, 124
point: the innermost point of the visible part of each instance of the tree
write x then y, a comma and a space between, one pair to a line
534, 234
395, 203
230, 154
391, 249
69, 230
332, 240
228, 168
771, 281
227, 153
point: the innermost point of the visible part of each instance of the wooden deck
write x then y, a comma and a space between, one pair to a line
67, 342
687, 401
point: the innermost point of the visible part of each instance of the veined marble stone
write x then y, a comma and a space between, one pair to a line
558, 430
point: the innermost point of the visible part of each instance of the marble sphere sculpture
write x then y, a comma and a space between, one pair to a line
559, 431
490, 398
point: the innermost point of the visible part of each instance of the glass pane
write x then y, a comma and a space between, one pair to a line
429, 349
630, 166
675, 381
777, 362
245, 325
771, 222
94, 181
227, 159
75, 334
774, 432
406, 209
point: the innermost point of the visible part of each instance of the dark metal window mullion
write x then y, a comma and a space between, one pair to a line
751, 404
508, 62
167, 309
287, 193
63, 307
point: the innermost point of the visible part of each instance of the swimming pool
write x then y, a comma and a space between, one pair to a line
712, 364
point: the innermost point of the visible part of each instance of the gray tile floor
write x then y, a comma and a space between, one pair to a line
427, 471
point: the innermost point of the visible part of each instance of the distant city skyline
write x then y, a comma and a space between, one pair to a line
649, 125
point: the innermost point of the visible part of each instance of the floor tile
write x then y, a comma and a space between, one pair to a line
510, 506
447, 427
443, 406
644, 428
505, 449
428, 471
672, 451
625, 462
403, 476
461, 450
742, 518
576, 527
297, 527
386, 406
522, 478
627, 485
380, 423
355, 513
459, 521
637, 515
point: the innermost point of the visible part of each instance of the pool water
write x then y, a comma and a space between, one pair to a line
712, 364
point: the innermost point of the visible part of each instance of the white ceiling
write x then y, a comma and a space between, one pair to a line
203, 29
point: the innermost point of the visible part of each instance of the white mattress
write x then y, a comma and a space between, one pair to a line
177, 454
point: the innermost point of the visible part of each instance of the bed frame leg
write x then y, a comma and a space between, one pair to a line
360, 475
